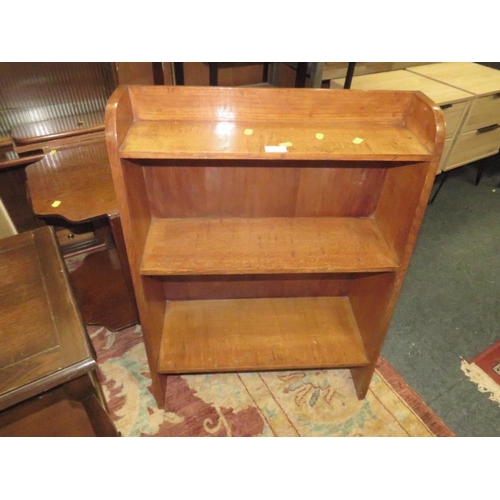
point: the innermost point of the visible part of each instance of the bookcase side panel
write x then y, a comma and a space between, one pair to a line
396, 209
372, 299
401, 232
135, 218
149, 291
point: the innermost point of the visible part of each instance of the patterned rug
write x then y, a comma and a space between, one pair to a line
484, 371
292, 403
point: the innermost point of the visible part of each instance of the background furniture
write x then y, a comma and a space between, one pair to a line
44, 106
469, 96
48, 384
75, 184
454, 102
7, 227
54, 115
334, 70
479, 134
262, 234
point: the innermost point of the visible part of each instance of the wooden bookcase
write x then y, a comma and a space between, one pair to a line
245, 258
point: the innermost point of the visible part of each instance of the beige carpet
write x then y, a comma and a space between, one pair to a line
294, 403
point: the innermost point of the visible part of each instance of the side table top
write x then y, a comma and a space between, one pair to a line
43, 342
74, 183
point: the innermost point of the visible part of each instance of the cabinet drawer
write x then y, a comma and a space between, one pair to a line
473, 146
485, 111
453, 114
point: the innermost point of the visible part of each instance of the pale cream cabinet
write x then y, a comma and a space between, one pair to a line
479, 136
454, 102
469, 95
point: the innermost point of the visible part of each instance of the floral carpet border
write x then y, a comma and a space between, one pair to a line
413, 400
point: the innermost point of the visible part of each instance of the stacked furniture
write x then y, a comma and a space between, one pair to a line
271, 228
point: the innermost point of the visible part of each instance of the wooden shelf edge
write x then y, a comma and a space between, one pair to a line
236, 246
290, 156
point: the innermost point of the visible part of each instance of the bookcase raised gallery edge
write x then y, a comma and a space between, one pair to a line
269, 228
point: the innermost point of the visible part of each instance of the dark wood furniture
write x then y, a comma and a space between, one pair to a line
75, 184
269, 228
48, 384
50, 133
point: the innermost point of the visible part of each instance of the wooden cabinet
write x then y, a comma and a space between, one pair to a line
454, 102
479, 136
48, 381
269, 228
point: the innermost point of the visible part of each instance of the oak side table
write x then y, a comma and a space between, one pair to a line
48, 382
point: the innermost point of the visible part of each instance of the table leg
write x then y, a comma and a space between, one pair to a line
85, 391
102, 284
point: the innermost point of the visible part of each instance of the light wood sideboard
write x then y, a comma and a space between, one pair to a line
454, 102
469, 95
479, 136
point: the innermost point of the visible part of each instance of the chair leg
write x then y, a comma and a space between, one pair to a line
265, 72
179, 73
350, 73
444, 176
301, 75
479, 173
214, 80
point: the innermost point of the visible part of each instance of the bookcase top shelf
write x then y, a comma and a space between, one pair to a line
279, 124
268, 141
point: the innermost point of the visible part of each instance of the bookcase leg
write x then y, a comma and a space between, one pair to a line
159, 388
362, 376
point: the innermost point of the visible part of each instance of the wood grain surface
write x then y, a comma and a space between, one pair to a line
266, 245
73, 183
283, 240
227, 139
37, 346
254, 334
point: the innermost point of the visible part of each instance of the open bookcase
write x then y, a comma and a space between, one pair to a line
246, 257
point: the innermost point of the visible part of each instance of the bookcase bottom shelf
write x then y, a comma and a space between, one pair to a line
260, 334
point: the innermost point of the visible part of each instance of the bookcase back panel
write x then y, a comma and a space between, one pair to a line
239, 191
229, 104
255, 286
